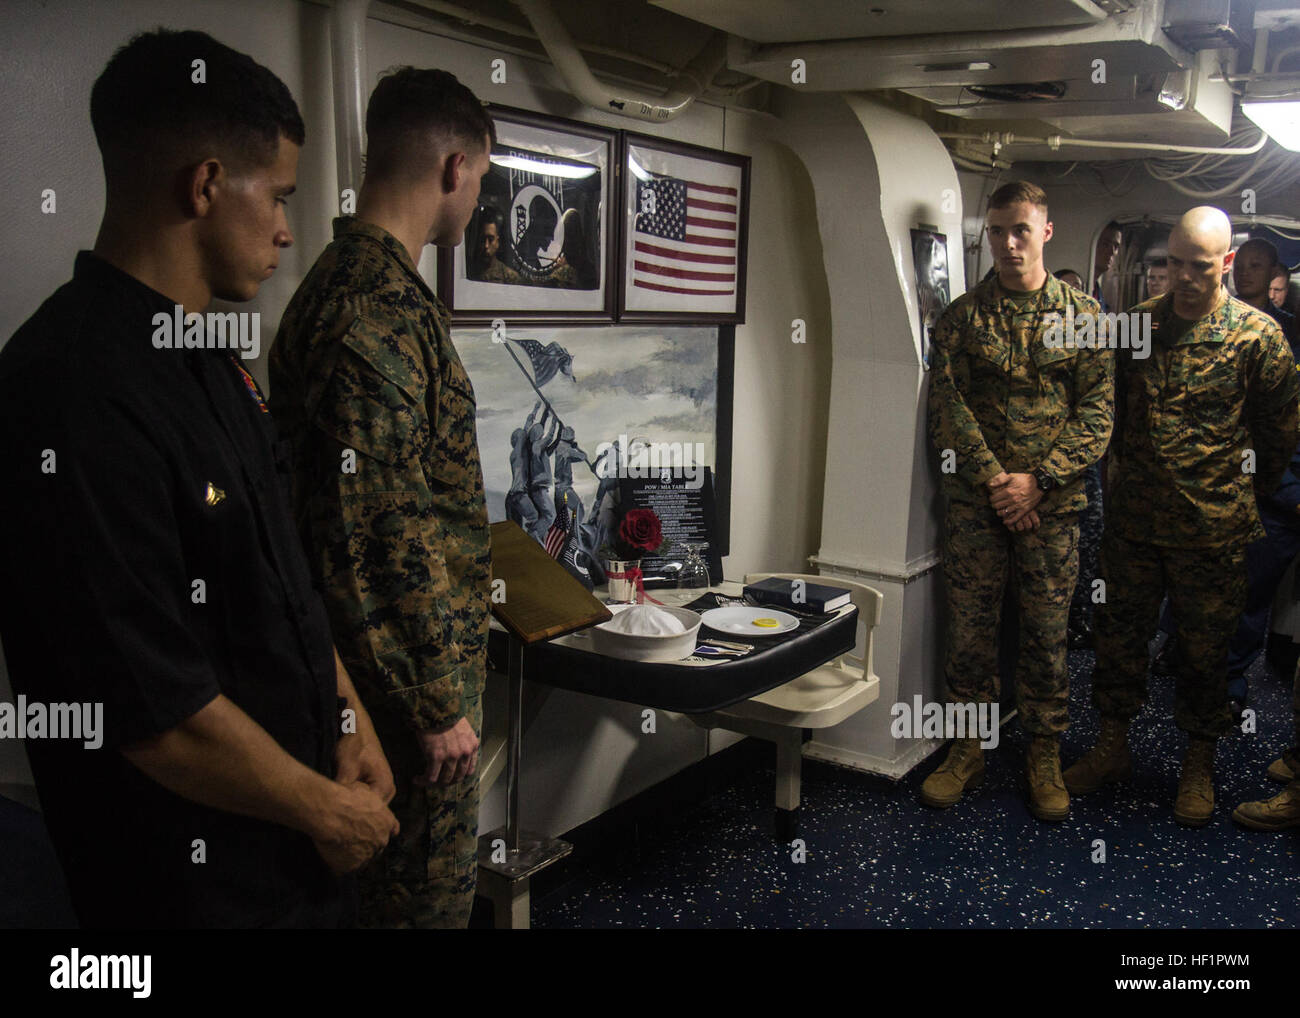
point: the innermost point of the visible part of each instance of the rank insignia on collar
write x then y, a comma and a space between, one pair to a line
213, 494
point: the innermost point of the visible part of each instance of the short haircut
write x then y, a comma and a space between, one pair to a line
1112, 225
147, 109
1280, 269
1016, 191
407, 106
1260, 244
1062, 273
1158, 263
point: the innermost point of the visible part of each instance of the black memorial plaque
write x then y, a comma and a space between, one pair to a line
686, 510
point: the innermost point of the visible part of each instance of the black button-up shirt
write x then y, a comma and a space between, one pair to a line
132, 473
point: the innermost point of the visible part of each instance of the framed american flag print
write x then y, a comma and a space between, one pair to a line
685, 226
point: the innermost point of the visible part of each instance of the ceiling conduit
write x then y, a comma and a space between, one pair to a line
347, 61
559, 46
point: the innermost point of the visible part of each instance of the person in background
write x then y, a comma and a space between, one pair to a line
154, 562
1218, 391
1157, 278
1268, 558
1020, 420
1253, 270
1070, 278
389, 494
1279, 288
1092, 518
1108, 245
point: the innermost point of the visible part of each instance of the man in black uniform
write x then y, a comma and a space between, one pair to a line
153, 564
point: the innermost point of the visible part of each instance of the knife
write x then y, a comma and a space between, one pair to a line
729, 644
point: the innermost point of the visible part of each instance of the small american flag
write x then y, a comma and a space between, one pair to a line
547, 360
558, 536
685, 237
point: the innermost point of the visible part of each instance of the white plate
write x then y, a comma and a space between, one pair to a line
741, 621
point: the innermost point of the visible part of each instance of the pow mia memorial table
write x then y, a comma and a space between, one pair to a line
695, 685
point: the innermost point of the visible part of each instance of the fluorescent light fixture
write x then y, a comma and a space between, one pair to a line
1279, 119
638, 171
1173, 93
567, 170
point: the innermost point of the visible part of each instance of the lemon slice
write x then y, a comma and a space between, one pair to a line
767, 623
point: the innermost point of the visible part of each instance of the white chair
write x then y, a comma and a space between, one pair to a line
820, 698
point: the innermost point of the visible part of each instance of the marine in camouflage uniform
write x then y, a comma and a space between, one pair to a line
1002, 399
498, 271
364, 363
1181, 508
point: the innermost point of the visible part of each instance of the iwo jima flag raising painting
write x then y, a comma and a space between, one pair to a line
685, 229
565, 416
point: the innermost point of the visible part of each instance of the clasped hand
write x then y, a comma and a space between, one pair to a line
1015, 497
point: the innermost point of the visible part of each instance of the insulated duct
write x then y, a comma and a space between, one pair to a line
582, 83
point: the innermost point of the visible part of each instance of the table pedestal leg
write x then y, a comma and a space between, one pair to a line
509, 856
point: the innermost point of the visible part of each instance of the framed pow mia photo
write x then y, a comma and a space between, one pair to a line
685, 226
539, 245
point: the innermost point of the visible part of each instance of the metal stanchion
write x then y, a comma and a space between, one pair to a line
509, 856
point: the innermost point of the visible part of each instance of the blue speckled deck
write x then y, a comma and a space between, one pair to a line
876, 857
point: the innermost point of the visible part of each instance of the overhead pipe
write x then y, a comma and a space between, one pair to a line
347, 61
999, 140
559, 46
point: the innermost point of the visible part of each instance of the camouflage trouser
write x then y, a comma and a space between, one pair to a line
425, 878
1207, 590
979, 553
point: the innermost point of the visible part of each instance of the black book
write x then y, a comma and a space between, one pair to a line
815, 597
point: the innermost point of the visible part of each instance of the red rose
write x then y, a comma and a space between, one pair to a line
640, 530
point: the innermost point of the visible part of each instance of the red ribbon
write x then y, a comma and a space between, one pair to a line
634, 575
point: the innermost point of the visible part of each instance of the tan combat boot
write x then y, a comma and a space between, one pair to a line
1195, 803
1106, 762
963, 769
1286, 768
1275, 814
1048, 799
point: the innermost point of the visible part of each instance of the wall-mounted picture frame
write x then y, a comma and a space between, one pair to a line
685, 218
542, 244
930, 262
568, 415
